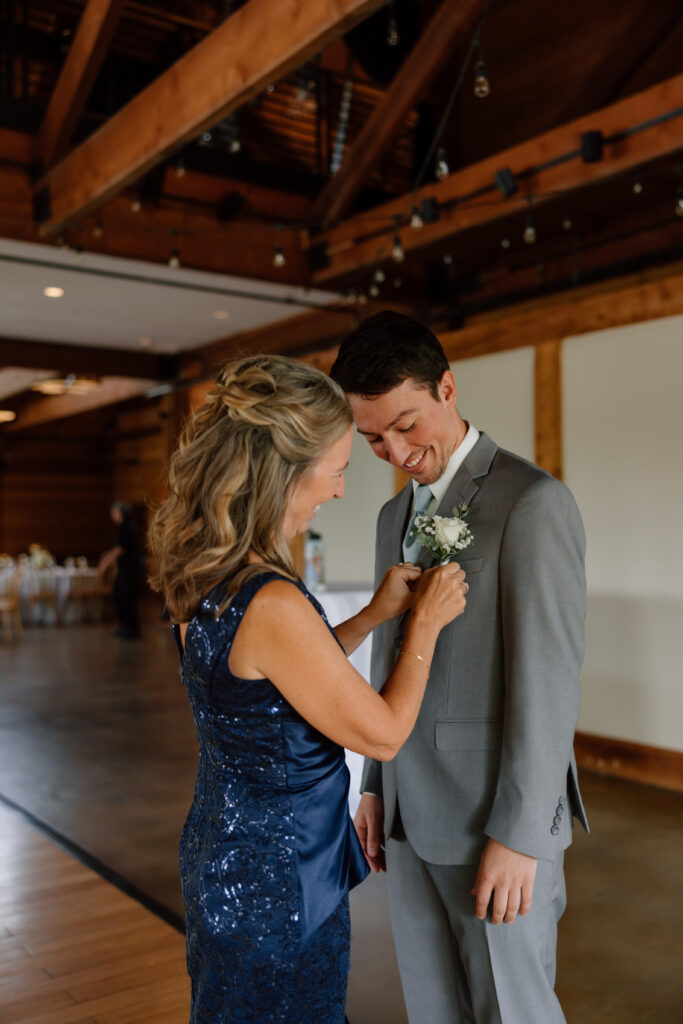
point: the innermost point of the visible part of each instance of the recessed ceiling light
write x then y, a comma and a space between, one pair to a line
53, 293
146, 342
220, 314
7, 415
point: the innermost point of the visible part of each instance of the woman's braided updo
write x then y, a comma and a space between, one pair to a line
264, 423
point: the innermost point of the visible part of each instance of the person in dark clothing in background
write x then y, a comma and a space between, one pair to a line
126, 553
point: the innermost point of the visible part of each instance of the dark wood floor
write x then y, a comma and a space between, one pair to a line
96, 741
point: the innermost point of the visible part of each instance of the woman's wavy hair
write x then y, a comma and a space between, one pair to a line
241, 454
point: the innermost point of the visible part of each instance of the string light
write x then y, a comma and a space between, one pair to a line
529, 234
679, 202
505, 243
174, 259
373, 291
180, 168
136, 204
416, 221
379, 275
637, 187
447, 258
567, 223
235, 145
442, 169
278, 256
98, 230
397, 253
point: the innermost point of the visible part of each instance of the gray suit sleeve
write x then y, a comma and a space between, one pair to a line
543, 600
371, 779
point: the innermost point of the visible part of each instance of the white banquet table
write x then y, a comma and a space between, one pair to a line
340, 603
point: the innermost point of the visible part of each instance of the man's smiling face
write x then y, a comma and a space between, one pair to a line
410, 428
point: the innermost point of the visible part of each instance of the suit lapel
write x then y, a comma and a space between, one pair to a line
463, 487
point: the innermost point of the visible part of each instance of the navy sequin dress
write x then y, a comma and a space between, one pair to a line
268, 851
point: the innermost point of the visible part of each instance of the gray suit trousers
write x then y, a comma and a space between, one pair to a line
456, 969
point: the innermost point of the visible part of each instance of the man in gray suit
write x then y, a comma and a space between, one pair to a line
477, 806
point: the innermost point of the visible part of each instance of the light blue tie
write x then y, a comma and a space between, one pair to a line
412, 546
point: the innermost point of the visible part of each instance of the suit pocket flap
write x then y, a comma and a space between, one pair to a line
469, 564
469, 734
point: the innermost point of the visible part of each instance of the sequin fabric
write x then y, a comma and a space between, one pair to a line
268, 851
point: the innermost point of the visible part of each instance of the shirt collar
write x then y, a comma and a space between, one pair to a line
440, 486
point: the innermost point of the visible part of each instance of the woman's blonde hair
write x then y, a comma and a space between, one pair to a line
265, 422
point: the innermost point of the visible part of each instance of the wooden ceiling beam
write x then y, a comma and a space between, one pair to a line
45, 410
77, 77
444, 34
84, 359
617, 303
256, 45
356, 244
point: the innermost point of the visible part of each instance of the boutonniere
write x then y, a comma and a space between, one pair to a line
444, 535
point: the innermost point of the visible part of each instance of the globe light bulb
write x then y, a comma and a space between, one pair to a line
442, 169
482, 86
393, 38
529, 235
416, 221
397, 253
278, 257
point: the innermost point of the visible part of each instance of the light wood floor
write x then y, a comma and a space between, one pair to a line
76, 950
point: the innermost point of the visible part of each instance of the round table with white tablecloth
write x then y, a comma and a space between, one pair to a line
340, 603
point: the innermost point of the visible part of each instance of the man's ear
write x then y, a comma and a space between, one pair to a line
447, 388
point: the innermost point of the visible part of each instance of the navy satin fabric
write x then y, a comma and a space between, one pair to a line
268, 851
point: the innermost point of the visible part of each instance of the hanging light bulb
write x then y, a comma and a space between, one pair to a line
393, 38
278, 256
505, 243
442, 169
637, 188
679, 202
416, 218
482, 86
97, 230
447, 258
174, 260
180, 168
397, 253
567, 223
529, 234
235, 145
362, 298
136, 204
379, 275
373, 291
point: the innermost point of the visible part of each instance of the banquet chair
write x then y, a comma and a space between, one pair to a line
10, 609
42, 594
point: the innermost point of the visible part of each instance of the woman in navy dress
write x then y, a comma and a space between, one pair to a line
268, 852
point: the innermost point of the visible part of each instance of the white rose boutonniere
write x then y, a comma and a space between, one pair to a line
444, 535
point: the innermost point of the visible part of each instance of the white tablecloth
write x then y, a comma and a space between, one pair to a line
340, 605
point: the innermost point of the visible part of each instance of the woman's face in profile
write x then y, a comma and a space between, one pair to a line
324, 480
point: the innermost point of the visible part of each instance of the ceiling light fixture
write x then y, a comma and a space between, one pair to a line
278, 256
70, 384
7, 415
220, 314
53, 292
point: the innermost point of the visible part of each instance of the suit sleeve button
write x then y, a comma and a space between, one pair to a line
555, 831
557, 820
562, 801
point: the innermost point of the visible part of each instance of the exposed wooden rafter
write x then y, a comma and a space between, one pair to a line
438, 42
88, 50
258, 44
616, 303
84, 359
469, 197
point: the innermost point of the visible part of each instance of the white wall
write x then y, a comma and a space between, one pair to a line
496, 393
623, 402
348, 525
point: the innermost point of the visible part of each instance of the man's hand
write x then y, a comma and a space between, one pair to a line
369, 826
510, 877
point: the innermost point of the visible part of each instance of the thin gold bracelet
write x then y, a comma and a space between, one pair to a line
404, 650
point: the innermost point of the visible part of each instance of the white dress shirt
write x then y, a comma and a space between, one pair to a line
440, 486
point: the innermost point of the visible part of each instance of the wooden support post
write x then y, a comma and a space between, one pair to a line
548, 406
400, 479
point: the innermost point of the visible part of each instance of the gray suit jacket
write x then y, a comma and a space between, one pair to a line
491, 752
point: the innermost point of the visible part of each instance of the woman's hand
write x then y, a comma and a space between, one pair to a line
396, 592
440, 594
